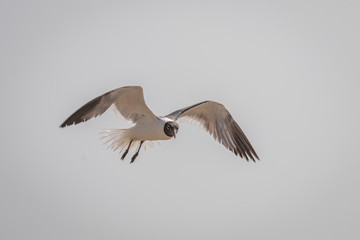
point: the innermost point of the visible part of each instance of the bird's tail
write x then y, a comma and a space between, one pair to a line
117, 139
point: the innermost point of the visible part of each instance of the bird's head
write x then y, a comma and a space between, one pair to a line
171, 129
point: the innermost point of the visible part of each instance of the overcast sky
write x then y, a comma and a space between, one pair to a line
288, 71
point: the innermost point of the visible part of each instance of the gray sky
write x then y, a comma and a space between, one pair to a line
287, 71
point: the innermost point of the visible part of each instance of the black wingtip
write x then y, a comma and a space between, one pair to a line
65, 124
87, 111
69, 122
243, 146
252, 155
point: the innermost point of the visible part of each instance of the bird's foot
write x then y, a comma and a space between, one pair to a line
124, 155
134, 157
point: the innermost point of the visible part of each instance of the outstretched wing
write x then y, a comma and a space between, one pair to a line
217, 120
128, 101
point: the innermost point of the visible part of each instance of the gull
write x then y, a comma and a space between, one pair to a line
130, 104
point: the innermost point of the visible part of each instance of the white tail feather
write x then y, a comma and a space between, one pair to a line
119, 139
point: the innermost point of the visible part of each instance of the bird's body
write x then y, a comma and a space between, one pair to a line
130, 103
149, 131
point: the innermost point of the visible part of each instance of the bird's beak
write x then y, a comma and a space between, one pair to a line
175, 132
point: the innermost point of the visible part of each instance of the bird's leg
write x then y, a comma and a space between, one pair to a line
137, 152
126, 152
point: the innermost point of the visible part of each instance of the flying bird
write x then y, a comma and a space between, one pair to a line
130, 104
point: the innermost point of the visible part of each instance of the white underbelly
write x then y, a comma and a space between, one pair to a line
150, 131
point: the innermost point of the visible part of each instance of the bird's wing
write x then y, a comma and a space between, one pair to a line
217, 120
128, 101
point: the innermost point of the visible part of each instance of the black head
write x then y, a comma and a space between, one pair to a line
171, 128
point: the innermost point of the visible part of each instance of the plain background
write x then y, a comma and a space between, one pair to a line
288, 71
